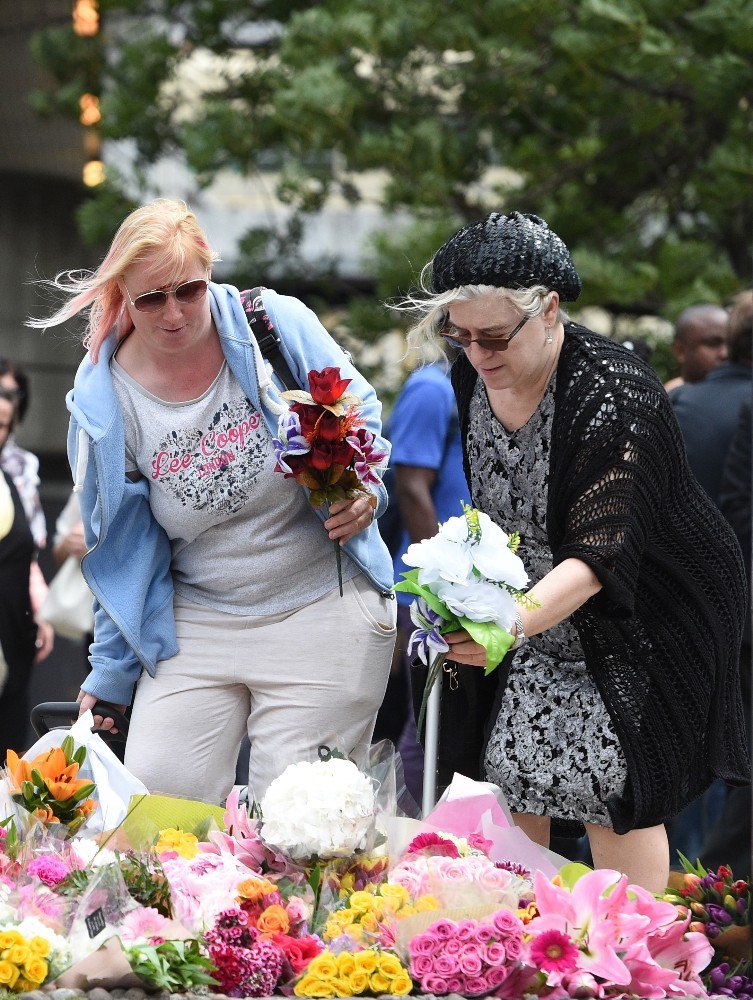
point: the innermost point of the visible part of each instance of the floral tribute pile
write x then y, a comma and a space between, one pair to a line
327, 897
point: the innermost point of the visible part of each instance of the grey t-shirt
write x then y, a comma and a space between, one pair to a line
244, 539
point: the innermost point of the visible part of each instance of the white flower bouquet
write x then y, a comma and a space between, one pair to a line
467, 576
319, 809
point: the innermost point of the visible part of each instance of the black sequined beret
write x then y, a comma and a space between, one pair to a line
508, 251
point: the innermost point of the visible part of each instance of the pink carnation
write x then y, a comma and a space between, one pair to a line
48, 869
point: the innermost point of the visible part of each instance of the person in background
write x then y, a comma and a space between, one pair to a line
700, 343
729, 839
69, 541
621, 702
429, 483
215, 579
23, 467
708, 411
19, 631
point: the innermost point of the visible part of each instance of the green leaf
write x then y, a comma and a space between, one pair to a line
68, 747
80, 756
495, 640
571, 872
410, 585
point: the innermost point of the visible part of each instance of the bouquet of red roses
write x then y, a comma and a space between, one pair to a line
322, 442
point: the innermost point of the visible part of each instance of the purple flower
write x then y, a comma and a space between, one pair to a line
290, 440
718, 914
368, 456
426, 638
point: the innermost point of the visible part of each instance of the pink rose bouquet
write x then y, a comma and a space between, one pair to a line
468, 957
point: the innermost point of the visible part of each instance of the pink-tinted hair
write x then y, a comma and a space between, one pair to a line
164, 232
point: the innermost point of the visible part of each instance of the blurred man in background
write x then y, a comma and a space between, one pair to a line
700, 343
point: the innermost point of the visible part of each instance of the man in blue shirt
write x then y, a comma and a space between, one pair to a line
430, 485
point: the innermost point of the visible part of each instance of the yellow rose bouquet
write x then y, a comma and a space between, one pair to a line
350, 974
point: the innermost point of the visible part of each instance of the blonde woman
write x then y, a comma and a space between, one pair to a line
215, 581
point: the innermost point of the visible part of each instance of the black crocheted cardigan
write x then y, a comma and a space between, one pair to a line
662, 636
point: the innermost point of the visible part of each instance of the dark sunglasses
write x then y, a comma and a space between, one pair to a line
486, 343
186, 292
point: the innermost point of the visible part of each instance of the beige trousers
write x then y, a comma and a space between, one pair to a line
294, 681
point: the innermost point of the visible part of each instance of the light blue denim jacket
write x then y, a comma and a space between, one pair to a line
128, 562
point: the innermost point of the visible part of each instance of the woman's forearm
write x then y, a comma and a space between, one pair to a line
563, 590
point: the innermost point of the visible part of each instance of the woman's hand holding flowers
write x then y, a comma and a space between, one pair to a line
464, 649
347, 518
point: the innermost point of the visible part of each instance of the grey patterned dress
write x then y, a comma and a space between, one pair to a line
553, 750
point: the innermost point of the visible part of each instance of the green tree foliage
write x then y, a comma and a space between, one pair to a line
625, 123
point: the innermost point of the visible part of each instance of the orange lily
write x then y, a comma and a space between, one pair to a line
18, 769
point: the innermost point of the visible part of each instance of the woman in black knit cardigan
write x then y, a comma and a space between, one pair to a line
620, 701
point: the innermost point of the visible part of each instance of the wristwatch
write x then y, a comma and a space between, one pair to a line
520, 635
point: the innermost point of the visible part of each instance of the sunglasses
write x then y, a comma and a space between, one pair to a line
485, 343
185, 293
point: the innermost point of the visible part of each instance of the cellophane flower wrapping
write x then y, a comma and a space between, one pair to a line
325, 805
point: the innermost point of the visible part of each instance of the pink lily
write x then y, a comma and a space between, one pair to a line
589, 917
242, 839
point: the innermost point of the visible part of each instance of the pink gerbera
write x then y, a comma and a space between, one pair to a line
436, 845
553, 951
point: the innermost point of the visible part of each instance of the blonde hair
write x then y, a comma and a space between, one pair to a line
165, 232
431, 307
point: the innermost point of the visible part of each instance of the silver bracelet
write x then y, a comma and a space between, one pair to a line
520, 635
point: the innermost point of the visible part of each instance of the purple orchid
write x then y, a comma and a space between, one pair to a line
426, 640
290, 441
368, 456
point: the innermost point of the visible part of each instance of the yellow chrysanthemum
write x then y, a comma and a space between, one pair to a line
184, 844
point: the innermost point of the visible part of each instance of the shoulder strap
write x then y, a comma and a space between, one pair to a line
266, 336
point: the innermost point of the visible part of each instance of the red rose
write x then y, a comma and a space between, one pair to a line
342, 454
328, 427
308, 416
298, 951
326, 386
321, 455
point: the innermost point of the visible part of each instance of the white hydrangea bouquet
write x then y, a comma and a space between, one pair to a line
467, 576
319, 809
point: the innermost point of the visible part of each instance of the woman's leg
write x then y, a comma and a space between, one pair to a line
188, 721
536, 828
642, 855
317, 677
